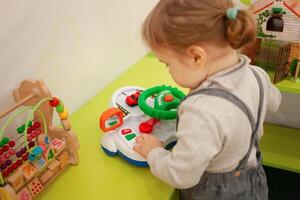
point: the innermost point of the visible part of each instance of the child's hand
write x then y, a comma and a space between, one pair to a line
145, 143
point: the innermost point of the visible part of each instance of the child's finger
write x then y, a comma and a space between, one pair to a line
137, 148
145, 136
139, 139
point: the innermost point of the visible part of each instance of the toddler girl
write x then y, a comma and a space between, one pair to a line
221, 120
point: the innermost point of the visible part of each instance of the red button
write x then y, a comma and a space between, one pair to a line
168, 98
147, 127
126, 131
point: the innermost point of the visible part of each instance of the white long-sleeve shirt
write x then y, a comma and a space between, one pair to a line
213, 134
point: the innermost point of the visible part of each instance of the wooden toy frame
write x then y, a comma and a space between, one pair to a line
29, 93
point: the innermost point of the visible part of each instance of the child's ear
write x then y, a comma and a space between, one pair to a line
198, 54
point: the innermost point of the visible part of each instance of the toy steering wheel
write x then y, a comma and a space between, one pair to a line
166, 102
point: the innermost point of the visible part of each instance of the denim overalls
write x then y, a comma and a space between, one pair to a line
244, 182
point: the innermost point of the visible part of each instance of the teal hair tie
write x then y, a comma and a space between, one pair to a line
231, 13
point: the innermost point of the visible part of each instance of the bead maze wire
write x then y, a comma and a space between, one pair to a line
30, 116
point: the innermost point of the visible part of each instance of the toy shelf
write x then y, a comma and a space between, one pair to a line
288, 86
280, 147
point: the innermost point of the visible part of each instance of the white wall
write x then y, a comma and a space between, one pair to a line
76, 46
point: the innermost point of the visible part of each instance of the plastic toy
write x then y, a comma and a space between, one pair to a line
132, 100
33, 155
155, 114
111, 119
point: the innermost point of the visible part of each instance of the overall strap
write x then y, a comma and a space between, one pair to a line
244, 108
254, 137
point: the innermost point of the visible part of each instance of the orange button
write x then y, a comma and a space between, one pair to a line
168, 98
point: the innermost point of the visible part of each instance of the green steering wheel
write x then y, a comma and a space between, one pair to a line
166, 102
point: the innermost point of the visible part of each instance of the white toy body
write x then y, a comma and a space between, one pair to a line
121, 140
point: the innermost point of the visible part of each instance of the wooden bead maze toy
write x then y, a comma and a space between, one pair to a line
33, 155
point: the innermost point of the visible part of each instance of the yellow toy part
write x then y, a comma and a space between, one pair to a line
64, 114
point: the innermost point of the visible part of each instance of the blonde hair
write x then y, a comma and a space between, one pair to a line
180, 24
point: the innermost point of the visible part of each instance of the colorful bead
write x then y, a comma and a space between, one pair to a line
7, 155
12, 152
1, 144
5, 140
2, 159
25, 157
63, 115
33, 134
5, 173
3, 166
20, 130
1, 152
59, 108
36, 124
30, 129
19, 154
12, 143
31, 144
29, 138
15, 166
19, 162
8, 162
10, 169
5, 148
23, 150
54, 102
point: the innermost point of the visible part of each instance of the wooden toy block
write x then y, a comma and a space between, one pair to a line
16, 180
58, 145
35, 187
24, 194
28, 170
63, 159
43, 140
66, 124
49, 155
39, 163
46, 176
54, 166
